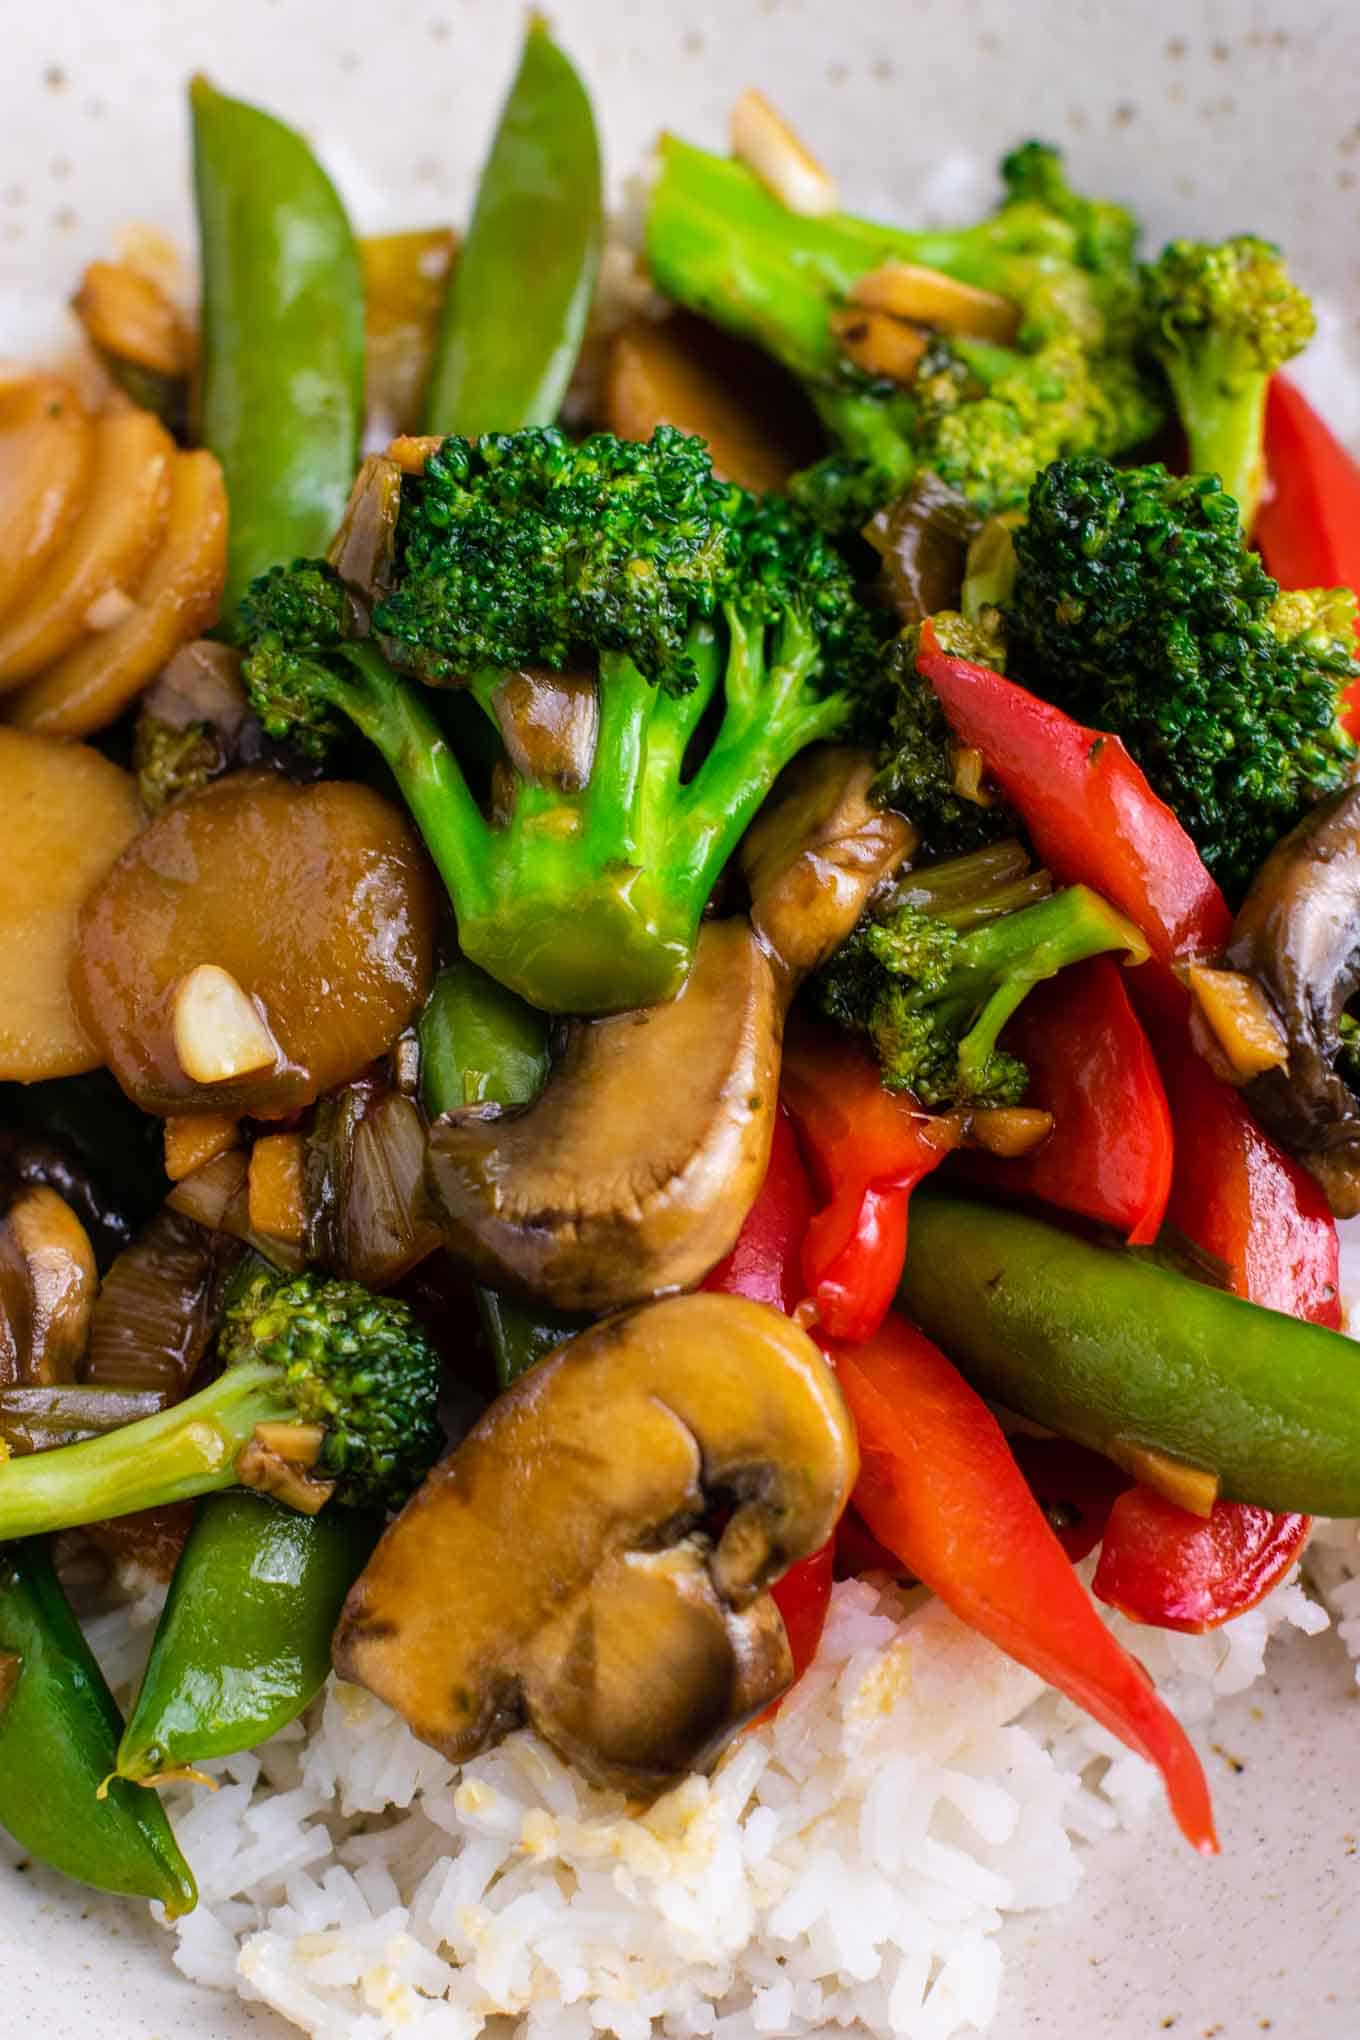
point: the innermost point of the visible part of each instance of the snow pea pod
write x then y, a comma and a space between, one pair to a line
282, 391
480, 1044
1124, 1355
244, 1640
516, 307
59, 1729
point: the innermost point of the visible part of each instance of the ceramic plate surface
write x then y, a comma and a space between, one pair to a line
1211, 118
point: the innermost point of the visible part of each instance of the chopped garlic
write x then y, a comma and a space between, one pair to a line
766, 144
218, 1031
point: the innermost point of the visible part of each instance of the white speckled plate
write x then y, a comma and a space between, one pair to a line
1214, 115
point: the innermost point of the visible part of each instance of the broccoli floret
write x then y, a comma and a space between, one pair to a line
985, 416
1139, 609
918, 763
171, 761
934, 979
698, 604
347, 1372
1220, 318
1106, 233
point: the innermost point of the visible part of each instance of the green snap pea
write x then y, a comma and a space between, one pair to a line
59, 1730
480, 1044
1117, 1352
244, 1640
515, 311
282, 392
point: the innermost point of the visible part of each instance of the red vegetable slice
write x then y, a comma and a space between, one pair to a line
1160, 1565
1308, 526
1093, 818
868, 1149
1076, 1489
1109, 1156
1234, 1194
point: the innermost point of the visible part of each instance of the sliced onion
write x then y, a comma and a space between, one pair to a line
924, 538
327, 1163
385, 1230
206, 1195
32, 1419
158, 1308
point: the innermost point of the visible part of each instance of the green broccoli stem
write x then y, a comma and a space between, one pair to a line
624, 868
560, 861
188, 1450
772, 713
718, 242
392, 715
871, 428
997, 964
1220, 395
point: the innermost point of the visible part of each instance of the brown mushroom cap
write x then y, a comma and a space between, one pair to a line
817, 852
630, 1174
555, 1567
1298, 935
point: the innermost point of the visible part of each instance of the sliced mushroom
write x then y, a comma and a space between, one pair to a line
817, 851
1298, 935
631, 1172
47, 1285
548, 723
559, 1567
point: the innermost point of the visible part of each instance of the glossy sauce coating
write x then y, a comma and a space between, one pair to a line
316, 899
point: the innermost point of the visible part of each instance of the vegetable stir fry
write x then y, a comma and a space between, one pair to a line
467, 1092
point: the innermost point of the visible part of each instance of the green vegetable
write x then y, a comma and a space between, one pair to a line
1117, 1353
702, 606
984, 417
171, 762
520, 291
59, 1730
1139, 609
244, 1641
312, 1352
1220, 319
480, 1045
934, 980
917, 761
282, 370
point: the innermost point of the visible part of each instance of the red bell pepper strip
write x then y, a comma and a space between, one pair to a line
938, 1486
1093, 818
1308, 526
803, 1597
1162, 1565
764, 1266
1109, 1155
868, 1149
1234, 1194
1076, 1489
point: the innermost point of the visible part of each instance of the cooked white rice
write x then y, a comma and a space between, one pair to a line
851, 1862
